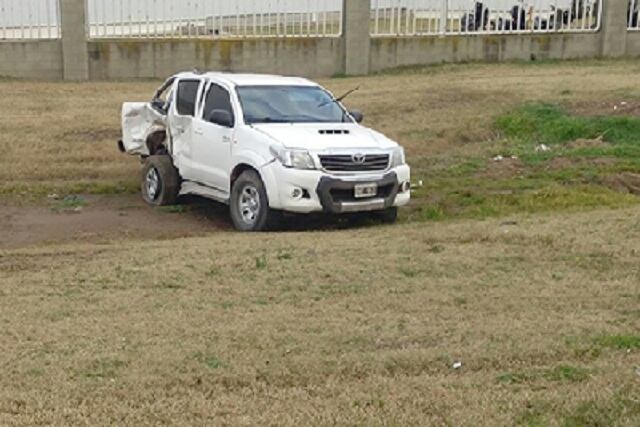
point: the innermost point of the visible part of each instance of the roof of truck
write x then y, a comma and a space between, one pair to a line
251, 79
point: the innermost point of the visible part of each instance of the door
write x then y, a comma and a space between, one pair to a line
213, 138
181, 121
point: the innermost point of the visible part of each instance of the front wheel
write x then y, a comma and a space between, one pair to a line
249, 204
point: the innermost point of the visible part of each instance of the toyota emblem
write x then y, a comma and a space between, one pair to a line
358, 159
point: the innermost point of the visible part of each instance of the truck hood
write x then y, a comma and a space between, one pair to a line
319, 137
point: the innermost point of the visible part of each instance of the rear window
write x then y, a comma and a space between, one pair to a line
186, 97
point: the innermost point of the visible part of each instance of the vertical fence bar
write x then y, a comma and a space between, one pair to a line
30, 19
3, 22
324, 19
444, 17
49, 20
285, 23
38, 23
58, 18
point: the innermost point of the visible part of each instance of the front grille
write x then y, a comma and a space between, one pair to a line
346, 163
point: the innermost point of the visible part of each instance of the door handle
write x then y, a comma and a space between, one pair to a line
198, 132
226, 139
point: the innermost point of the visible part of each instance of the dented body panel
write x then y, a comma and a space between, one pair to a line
139, 122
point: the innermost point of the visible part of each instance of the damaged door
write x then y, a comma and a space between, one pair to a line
139, 120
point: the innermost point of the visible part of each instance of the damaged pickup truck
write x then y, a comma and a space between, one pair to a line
264, 145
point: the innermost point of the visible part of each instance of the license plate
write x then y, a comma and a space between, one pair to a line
362, 191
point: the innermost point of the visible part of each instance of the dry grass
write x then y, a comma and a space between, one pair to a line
356, 327
279, 330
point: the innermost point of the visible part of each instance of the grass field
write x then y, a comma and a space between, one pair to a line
518, 258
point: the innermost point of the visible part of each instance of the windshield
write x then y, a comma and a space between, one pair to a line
289, 104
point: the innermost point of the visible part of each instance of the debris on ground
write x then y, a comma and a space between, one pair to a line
624, 182
457, 365
621, 105
543, 148
500, 158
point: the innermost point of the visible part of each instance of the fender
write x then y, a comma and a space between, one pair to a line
259, 163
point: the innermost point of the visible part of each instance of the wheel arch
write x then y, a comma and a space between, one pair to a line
262, 168
156, 141
239, 169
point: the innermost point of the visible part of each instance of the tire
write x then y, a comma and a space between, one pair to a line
249, 204
387, 216
160, 181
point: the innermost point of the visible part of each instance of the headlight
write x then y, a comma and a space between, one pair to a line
296, 159
397, 157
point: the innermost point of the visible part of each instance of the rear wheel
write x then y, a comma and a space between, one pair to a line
160, 181
250, 206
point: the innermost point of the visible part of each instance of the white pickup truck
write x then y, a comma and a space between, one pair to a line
263, 145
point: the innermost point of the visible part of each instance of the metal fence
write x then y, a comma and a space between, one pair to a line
29, 19
214, 18
633, 13
431, 17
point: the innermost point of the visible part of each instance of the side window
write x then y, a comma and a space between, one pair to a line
186, 97
217, 99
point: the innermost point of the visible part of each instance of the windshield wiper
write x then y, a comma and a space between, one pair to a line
339, 99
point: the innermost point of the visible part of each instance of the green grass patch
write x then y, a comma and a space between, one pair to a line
174, 209
551, 125
510, 198
567, 373
571, 174
41, 189
104, 368
562, 373
620, 342
72, 202
620, 410
210, 360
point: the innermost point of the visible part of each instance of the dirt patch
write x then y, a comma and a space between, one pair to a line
498, 168
624, 183
106, 218
587, 143
560, 163
604, 108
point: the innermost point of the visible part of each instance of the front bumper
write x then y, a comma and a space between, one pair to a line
323, 192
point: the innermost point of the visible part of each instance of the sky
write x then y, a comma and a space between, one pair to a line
16, 12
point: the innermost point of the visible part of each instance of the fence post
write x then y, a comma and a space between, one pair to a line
444, 17
75, 55
357, 36
614, 28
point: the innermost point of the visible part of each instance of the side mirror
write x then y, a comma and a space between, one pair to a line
220, 117
357, 116
158, 104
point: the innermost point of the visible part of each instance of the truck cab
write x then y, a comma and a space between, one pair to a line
264, 145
